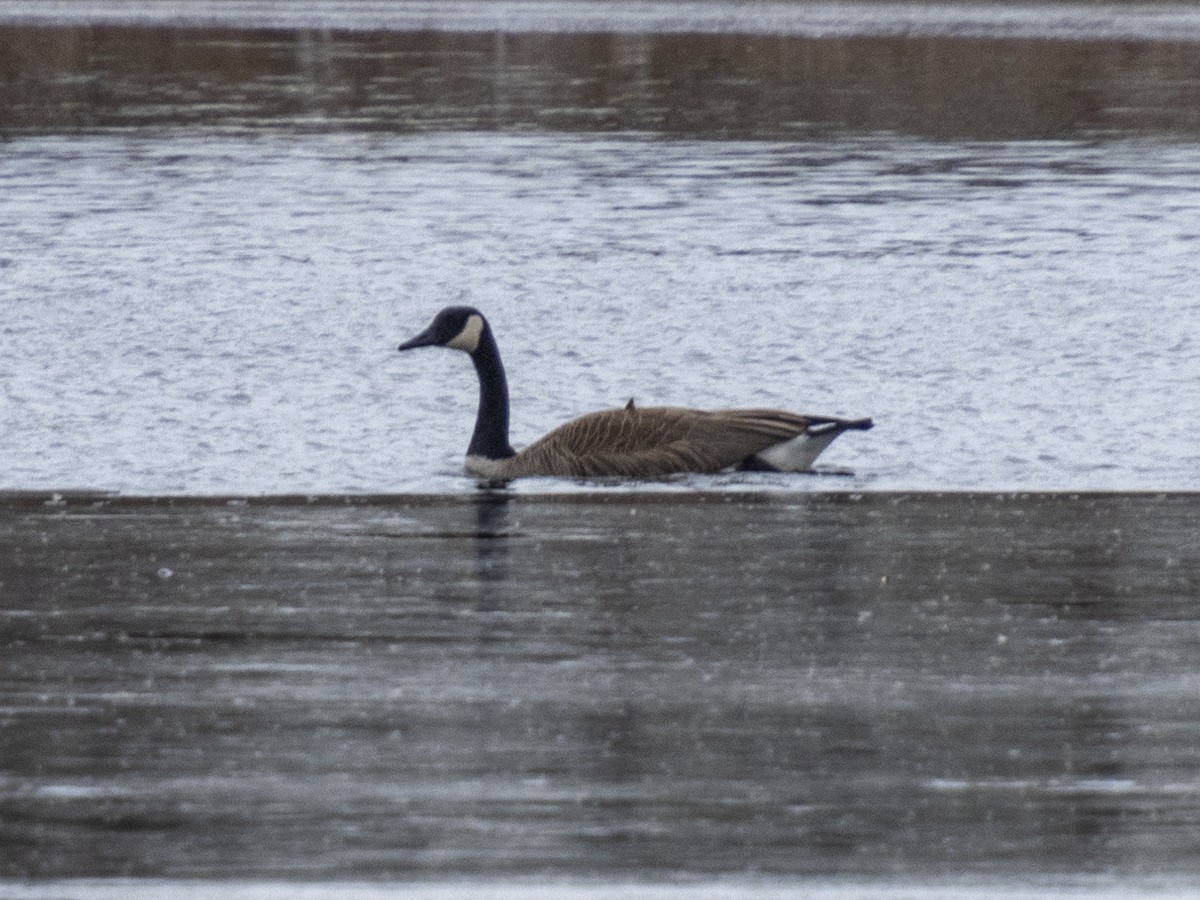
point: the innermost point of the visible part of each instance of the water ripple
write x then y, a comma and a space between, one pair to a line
182, 317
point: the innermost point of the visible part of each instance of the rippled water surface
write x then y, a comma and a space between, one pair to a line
216, 234
197, 312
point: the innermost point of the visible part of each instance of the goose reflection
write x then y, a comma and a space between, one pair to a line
492, 551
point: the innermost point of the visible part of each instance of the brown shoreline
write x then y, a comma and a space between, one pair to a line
79, 79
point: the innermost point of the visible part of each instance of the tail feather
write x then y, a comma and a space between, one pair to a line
799, 453
822, 424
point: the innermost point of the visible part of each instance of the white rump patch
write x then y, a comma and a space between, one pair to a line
468, 338
798, 454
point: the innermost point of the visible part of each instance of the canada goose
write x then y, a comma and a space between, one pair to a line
638, 442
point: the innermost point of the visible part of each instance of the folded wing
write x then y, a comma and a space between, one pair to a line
656, 441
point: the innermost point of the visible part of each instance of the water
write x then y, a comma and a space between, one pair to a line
215, 237
977, 224
222, 317
1060, 20
885, 688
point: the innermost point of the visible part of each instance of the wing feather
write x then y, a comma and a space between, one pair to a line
654, 441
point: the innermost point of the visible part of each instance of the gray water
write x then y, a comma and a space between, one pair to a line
892, 688
224, 317
978, 224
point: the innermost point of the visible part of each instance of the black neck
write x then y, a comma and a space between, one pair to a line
490, 439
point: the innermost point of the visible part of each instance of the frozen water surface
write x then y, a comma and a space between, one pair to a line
724, 890
904, 689
1065, 20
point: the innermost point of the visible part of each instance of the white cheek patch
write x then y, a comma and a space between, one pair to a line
468, 338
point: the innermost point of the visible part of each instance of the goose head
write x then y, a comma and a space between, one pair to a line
456, 327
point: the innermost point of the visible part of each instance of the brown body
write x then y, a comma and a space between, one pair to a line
648, 443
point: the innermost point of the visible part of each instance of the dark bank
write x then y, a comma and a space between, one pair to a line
65, 78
